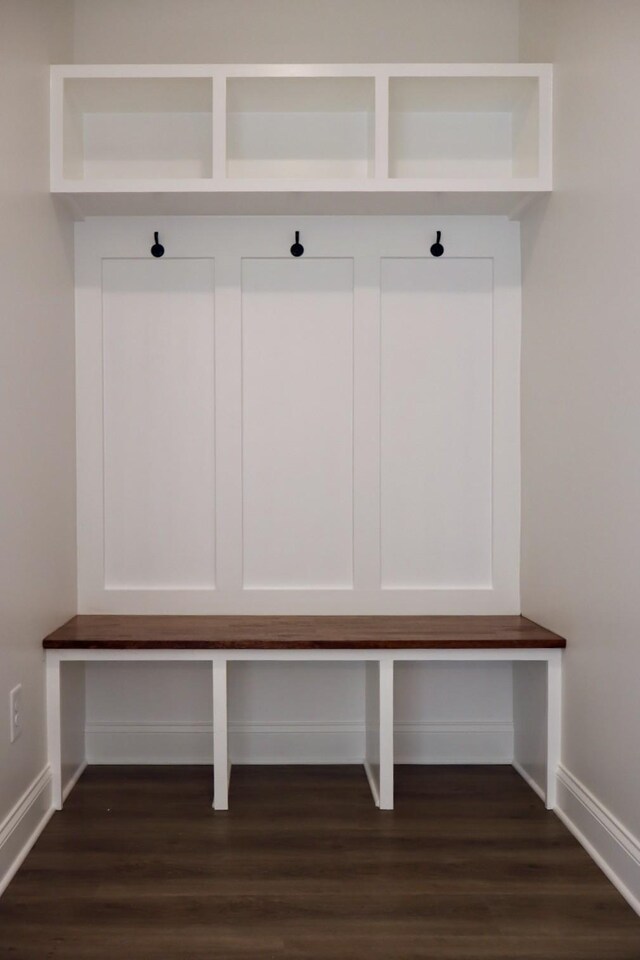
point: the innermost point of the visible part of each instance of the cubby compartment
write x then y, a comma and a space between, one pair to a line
137, 128
278, 710
464, 128
314, 128
446, 712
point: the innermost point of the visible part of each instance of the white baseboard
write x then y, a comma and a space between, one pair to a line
606, 840
462, 743
192, 743
23, 825
290, 743
296, 743
26, 820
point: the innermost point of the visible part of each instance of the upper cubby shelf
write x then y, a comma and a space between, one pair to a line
338, 138
303, 128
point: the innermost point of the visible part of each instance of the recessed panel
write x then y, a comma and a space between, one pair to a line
159, 484
297, 391
436, 423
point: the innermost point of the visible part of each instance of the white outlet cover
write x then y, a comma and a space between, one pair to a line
15, 706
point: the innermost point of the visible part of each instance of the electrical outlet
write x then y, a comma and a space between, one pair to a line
15, 702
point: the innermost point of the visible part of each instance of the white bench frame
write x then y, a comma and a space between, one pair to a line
379, 755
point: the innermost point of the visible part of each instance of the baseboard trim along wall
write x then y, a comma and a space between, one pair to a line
23, 825
26, 820
290, 743
454, 742
606, 840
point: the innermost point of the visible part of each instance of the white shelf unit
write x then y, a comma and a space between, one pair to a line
315, 138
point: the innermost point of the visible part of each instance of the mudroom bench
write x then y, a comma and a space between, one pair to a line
377, 641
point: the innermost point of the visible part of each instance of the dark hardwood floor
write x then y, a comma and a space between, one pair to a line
468, 867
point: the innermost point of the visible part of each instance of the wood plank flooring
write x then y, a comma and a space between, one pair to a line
468, 867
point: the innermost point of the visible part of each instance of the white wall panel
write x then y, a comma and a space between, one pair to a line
358, 367
447, 692
436, 422
159, 505
297, 383
288, 692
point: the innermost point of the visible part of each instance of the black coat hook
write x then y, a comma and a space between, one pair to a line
157, 250
437, 249
297, 249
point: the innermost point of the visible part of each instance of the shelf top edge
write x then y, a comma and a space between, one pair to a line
338, 70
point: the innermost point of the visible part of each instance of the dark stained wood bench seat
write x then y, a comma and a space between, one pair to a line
168, 632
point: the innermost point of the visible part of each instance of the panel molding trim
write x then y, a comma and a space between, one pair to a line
246, 513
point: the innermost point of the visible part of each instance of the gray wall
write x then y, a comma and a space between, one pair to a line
37, 416
294, 31
580, 389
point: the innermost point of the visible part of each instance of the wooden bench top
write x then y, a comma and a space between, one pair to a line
162, 632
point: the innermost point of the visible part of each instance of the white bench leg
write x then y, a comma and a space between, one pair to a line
54, 728
221, 766
554, 726
386, 735
379, 731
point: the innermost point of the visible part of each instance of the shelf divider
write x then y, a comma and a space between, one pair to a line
381, 134
219, 128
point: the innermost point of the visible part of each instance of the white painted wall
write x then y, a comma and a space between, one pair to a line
295, 31
581, 407
37, 454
